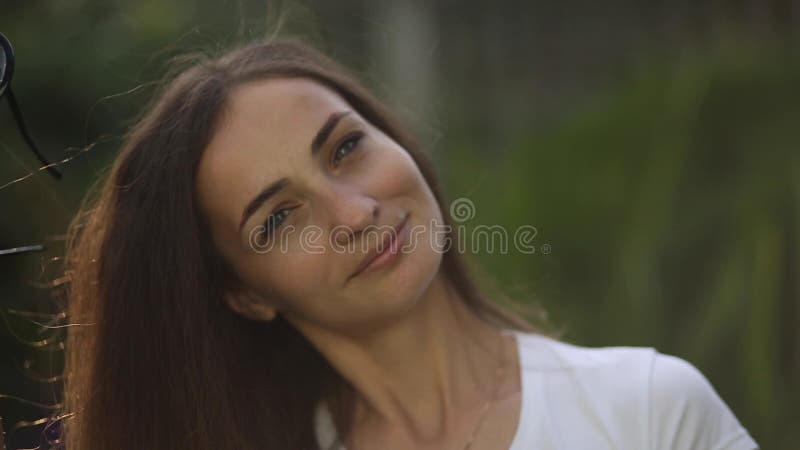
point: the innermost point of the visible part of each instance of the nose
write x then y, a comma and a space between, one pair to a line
350, 211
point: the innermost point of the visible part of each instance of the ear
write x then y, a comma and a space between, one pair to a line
247, 303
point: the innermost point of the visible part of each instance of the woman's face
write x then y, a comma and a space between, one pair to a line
342, 186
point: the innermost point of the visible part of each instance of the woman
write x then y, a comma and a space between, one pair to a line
228, 279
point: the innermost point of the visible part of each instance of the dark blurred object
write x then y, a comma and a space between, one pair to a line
6, 72
27, 248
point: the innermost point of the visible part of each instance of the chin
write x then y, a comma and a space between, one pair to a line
410, 281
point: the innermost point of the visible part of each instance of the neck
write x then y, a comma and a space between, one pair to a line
418, 372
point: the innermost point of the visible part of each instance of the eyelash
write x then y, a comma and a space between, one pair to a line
352, 142
269, 226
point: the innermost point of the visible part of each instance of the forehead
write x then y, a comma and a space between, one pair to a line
283, 101
265, 130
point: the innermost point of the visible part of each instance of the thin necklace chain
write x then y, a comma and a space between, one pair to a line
498, 372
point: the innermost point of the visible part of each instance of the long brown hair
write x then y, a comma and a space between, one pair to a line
155, 359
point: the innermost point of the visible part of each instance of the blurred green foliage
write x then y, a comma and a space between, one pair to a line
664, 176
671, 207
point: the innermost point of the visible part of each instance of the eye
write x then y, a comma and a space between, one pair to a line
274, 221
347, 146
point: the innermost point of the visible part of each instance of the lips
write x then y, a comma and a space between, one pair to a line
386, 244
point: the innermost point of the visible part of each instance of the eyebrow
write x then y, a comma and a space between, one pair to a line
316, 144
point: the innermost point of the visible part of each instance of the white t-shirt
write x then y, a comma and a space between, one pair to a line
626, 398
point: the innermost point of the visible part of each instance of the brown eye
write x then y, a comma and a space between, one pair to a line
346, 147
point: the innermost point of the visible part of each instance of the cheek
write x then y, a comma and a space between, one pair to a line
293, 278
411, 182
394, 173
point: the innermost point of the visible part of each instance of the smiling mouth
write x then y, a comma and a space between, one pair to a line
387, 245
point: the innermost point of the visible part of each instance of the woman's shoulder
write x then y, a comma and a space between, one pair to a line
665, 396
541, 353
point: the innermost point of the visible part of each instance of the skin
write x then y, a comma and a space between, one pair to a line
423, 365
